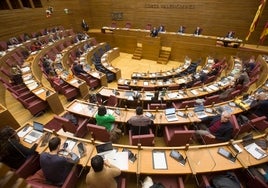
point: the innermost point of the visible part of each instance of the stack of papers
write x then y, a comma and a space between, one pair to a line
256, 151
194, 92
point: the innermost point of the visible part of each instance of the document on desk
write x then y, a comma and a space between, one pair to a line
159, 160
39, 91
172, 95
194, 92
213, 87
145, 83
256, 151
118, 159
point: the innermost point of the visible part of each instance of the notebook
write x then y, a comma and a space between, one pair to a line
36, 133
171, 114
104, 149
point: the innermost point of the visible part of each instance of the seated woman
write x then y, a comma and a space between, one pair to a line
12, 152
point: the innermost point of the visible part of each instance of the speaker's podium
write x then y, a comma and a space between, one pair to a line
150, 47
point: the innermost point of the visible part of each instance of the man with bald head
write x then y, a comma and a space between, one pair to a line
219, 127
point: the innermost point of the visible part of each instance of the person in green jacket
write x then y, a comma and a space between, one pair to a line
104, 119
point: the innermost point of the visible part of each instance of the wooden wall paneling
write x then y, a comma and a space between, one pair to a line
216, 17
127, 44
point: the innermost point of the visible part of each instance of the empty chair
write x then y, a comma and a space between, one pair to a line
98, 132
125, 87
177, 135
183, 104
260, 125
250, 125
91, 81
210, 79
148, 88
233, 94
70, 92
144, 139
113, 25
128, 25
3, 46
148, 26
34, 105
68, 123
154, 106
212, 99
112, 101
197, 83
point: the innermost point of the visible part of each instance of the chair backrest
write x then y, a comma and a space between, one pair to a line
144, 140
128, 25
30, 166
212, 99
175, 136
182, 137
113, 25
154, 106
112, 101
98, 132
189, 103
66, 124
148, 26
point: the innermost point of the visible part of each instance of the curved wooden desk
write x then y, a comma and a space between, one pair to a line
200, 158
89, 110
106, 61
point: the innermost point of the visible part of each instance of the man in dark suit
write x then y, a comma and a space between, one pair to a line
78, 68
219, 128
197, 31
154, 32
230, 34
181, 29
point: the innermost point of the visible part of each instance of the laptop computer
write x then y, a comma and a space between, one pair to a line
104, 149
170, 114
36, 133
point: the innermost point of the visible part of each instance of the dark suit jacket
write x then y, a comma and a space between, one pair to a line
225, 131
260, 108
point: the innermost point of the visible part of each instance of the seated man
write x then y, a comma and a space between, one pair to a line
78, 68
55, 167
140, 124
230, 35
102, 174
260, 105
181, 29
161, 29
197, 31
240, 82
250, 64
154, 32
219, 128
16, 75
